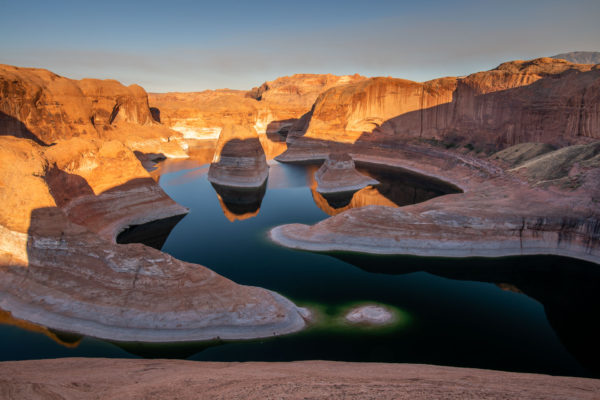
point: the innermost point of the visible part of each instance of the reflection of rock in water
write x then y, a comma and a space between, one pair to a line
338, 200
166, 350
405, 187
240, 203
64, 339
396, 188
153, 234
568, 289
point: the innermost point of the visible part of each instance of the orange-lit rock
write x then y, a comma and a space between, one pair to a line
239, 159
39, 105
61, 268
543, 100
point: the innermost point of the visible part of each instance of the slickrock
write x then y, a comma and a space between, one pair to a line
239, 159
338, 174
39, 105
498, 214
61, 268
80, 378
543, 100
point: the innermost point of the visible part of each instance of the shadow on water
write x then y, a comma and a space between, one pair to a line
182, 350
568, 289
153, 234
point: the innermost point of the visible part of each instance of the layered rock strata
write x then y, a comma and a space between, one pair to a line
239, 159
39, 105
61, 268
543, 100
500, 213
338, 174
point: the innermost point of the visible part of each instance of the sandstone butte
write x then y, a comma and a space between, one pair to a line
239, 159
519, 141
541, 202
338, 174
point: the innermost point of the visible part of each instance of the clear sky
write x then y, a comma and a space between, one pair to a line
181, 45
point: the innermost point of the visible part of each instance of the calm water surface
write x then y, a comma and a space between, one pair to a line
534, 314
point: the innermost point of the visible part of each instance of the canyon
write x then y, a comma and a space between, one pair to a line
516, 150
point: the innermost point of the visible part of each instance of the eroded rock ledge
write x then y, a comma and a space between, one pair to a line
500, 213
60, 266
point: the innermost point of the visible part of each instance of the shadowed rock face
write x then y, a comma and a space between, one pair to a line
61, 268
338, 175
543, 100
239, 159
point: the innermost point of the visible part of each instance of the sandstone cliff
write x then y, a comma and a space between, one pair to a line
270, 108
543, 100
39, 105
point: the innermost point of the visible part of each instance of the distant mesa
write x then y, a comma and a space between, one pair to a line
239, 159
580, 57
338, 174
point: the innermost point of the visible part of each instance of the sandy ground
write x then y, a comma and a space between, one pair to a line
90, 378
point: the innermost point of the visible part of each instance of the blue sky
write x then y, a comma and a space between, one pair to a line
195, 45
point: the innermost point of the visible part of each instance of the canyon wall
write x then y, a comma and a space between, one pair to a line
39, 105
542, 100
269, 108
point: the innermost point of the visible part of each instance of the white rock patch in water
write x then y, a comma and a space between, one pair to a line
372, 315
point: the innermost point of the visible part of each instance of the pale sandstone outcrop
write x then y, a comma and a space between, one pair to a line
239, 159
338, 174
543, 100
498, 214
60, 266
92, 378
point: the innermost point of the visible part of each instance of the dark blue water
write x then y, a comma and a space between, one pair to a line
533, 314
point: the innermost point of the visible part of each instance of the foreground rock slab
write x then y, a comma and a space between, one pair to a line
85, 378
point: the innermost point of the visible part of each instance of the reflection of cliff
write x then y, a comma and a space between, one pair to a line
240, 203
69, 340
396, 188
568, 289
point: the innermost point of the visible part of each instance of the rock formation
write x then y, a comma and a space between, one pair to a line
239, 159
543, 100
39, 105
524, 211
369, 315
271, 109
338, 175
61, 268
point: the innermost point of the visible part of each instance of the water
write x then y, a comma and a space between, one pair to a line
531, 314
